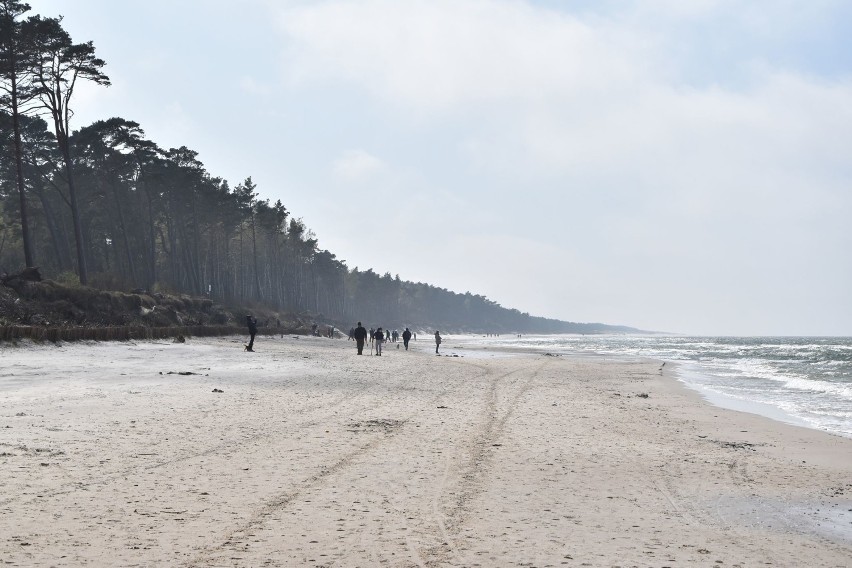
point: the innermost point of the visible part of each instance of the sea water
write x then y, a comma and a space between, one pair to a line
803, 380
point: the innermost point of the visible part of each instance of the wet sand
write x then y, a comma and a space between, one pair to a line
313, 456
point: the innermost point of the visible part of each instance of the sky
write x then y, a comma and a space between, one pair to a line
670, 165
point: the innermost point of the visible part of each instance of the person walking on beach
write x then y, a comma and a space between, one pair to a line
251, 322
379, 337
437, 341
406, 337
360, 336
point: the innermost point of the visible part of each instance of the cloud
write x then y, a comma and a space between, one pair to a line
252, 86
630, 137
548, 93
357, 166
434, 55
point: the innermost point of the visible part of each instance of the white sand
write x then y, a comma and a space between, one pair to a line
313, 456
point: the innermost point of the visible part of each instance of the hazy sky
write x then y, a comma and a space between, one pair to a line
677, 165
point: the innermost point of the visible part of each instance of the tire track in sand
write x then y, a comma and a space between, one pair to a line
236, 539
229, 446
470, 475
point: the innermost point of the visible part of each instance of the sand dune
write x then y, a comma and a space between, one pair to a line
313, 456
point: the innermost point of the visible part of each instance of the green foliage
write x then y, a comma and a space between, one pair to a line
68, 278
108, 281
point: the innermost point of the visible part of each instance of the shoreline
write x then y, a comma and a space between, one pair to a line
313, 455
688, 373
766, 410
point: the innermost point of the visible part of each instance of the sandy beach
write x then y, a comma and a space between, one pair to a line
313, 456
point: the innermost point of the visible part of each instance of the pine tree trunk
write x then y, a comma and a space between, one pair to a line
254, 254
19, 170
57, 238
152, 242
82, 270
125, 238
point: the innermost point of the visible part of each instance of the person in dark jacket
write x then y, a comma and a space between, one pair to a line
360, 335
406, 337
379, 338
437, 341
252, 329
